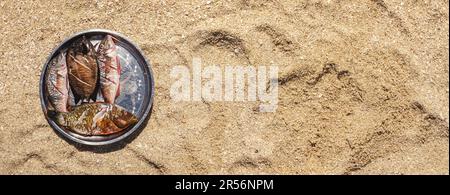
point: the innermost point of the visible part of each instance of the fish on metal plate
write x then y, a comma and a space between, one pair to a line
57, 83
96, 119
83, 70
109, 66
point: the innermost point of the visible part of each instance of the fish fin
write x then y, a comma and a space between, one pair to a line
94, 95
69, 91
56, 117
91, 48
85, 45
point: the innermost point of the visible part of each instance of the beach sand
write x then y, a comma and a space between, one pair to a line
363, 87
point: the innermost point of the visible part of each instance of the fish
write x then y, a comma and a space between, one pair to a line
92, 119
57, 83
110, 69
83, 70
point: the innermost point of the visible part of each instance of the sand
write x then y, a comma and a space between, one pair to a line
363, 87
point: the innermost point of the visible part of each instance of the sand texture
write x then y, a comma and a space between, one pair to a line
363, 87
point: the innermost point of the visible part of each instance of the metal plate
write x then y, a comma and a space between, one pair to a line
140, 81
